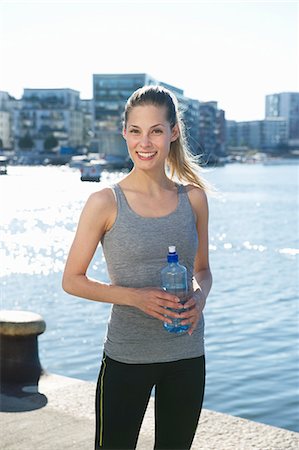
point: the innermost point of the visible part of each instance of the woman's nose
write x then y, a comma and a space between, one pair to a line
145, 141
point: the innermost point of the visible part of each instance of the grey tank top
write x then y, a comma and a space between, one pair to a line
135, 249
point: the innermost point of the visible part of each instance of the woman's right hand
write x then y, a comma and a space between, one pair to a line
153, 302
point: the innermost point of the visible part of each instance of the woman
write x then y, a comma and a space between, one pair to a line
135, 221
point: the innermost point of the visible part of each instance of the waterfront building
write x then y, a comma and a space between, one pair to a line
250, 134
7, 104
269, 134
5, 130
190, 113
211, 130
207, 120
86, 106
49, 114
231, 134
274, 133
220, 133
110, 93
285, 105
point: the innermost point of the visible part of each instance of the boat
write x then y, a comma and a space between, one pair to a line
91, 170
3, 165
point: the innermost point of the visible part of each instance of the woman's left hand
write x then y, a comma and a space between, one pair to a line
194, 305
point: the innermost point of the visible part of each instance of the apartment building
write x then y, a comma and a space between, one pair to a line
86, 106
48, 113
286, 106
274, 133
5, 130
110, 93
212, 129
268, 134
7, 105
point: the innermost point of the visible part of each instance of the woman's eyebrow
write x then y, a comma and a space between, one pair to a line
153, 126
158, 125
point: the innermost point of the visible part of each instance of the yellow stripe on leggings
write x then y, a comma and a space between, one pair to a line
101, 401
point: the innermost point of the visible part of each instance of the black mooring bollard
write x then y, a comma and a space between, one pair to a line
20, 368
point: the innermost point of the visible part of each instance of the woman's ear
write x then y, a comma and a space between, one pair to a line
175, 132
124, 133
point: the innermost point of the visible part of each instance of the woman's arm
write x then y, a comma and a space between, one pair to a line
202, 276
95, 219
98, 215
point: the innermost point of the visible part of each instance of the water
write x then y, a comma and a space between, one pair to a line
251, 314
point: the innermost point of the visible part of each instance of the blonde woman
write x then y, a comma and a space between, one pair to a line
135, 221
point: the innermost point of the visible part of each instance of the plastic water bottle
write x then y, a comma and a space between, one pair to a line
174, 281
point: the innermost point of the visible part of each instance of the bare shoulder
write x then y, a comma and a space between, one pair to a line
197, 197
101, 208
104, 198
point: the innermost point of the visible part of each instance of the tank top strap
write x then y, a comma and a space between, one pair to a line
185, 200
119, 196
182, 190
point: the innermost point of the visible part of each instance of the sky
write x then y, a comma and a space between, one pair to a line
233, 52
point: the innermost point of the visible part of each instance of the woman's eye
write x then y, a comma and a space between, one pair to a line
157, 131
134, 131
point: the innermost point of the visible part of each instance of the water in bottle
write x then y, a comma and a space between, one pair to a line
174, 281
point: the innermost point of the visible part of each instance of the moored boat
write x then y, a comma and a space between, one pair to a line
91, 170
3, 165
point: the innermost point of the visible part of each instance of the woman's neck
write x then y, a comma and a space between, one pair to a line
147, 181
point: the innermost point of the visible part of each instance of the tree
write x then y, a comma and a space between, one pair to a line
1, 143
26, 142
50, 142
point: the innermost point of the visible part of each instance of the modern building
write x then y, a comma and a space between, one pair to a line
5, 130
285, 105
189, 110
86, 106
250, 134
274, 133
211, 130
7, 105
110, 93
231, 134
267, 135
220, 133
49, 114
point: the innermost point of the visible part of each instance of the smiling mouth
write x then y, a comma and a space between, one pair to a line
146, 155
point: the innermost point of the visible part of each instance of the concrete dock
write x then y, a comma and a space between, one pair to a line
61, 417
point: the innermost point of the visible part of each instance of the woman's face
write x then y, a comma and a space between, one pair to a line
149, 135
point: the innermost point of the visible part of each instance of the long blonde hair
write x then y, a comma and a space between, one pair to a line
181, 162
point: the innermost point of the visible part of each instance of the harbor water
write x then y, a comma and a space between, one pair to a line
251, 314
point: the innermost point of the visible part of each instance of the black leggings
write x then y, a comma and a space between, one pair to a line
123, 392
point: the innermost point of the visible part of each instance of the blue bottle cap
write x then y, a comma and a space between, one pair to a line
172, 255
